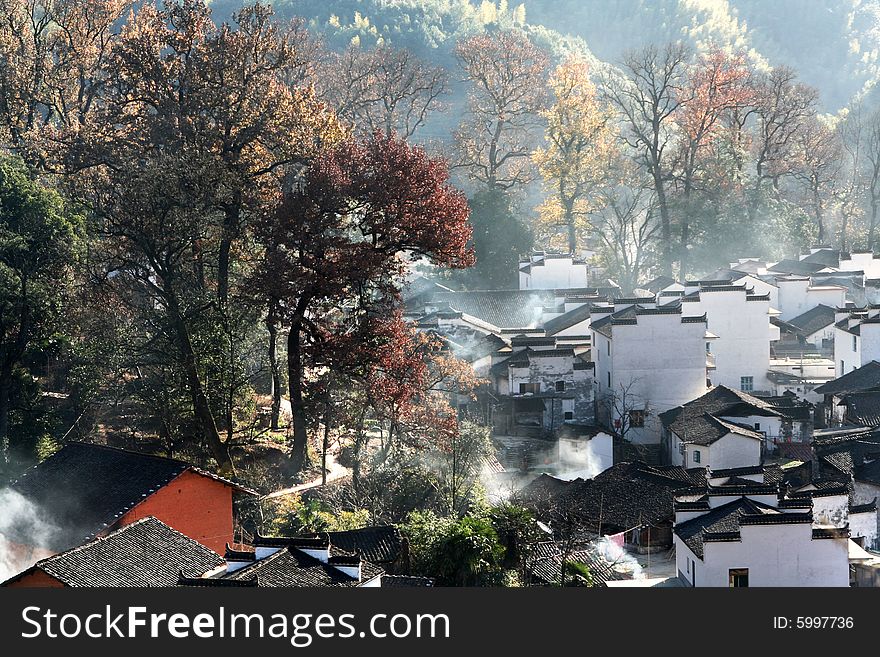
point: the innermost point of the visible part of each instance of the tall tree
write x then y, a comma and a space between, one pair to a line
651, 94
52, 53
717, 84
579, 142
38, 236
383, 89
818, 153
343, 238
871, 154
196, 132
507, 76
782, 110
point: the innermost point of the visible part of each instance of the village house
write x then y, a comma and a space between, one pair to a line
633, 499
739, 322
307, 561
724, 428
86, 491
863, 379
816, 326
636, 380
740, 540
541, 271
856, 337
146, 552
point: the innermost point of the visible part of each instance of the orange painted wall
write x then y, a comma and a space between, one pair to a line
35, 579
194, 505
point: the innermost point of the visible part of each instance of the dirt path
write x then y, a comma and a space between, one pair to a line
335, 471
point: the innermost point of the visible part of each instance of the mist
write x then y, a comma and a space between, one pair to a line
25, 533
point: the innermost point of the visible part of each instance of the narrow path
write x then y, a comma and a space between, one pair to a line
335, 470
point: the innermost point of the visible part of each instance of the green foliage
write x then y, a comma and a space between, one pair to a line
291, 515
458, 552
577, 574
500, 237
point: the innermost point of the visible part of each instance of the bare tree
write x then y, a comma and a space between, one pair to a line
783, 108
850, 190
649, 96
818, 157
508, 74
383, 89
871, 154
624, 409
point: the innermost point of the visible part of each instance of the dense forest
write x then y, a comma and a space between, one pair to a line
209, 210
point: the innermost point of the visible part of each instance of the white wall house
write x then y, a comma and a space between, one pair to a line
864, 261
856, 338
552, 271
797, 294
721, 445
741, 322
748, 542
647, 360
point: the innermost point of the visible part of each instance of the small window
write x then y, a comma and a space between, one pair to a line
746, 383
609, 379
855, 342
560, 386
697, 456
637, 419
608, 345
569, 415
757, 426
533, 388
738, 577
842, 368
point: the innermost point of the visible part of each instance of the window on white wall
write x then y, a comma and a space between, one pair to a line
855, 342
697, 456
746, 383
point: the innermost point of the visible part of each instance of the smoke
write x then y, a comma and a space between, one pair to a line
620, 559
24, 533
579, 461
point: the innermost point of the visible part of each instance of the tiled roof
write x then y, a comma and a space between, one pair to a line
621, 497
796, 267
815, 319
567, 320
722, 522
290, 567
379, 544
698, 420
145, 553
501, 308
546, 567
824, 257
84, 489
405, 581
657, 284
863, 408
867, 377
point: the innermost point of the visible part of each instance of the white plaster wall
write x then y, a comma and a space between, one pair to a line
554, 273
733, 451
778, 555
845, 358
864, 524
831, 510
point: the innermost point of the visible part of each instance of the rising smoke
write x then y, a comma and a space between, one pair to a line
621, 560
24, 533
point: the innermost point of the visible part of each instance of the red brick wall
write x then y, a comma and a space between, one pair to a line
36, 579
194, 505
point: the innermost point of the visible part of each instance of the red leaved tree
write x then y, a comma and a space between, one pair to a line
337, 252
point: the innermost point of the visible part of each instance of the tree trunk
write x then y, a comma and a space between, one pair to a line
665, 224
201, 408
873, 224
272, 326
295, 371
326, 443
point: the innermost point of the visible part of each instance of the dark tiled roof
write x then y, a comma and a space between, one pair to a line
290, 567
621, 497
796, 267
405, 581
866, 507
657, 284
567, 320
84, 489
145, 553
547, 564
501, 308
723, 521
824, 257
698, 420
863, 408
379, 545
815, 319
867, 377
